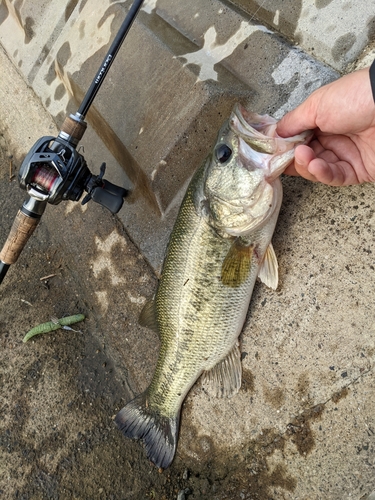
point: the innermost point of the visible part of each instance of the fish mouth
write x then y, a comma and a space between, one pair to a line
259, 131
264, 145
265, 155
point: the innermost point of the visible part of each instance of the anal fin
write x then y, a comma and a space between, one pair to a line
224, 379
147, 318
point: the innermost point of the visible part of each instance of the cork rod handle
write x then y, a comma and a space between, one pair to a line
23, 227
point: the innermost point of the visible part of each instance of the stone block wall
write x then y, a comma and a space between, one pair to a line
175, 79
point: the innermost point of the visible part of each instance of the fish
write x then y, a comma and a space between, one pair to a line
219, 246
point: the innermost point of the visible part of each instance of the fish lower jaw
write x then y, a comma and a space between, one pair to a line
255, 223
246, 229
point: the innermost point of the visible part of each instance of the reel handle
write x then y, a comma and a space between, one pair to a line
104, 197
104, 192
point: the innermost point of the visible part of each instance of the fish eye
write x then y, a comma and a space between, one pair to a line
223, 153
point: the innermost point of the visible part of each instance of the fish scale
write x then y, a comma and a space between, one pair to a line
219, 245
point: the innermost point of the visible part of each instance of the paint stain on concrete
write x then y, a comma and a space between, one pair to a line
82, 5
70, 56
247, 381
69, 8
303, 385
59, 92
50, 76
320, 4
340, 395
331, 28
82, 30
347, 6
64, 54
274, 396
342, 45
286, 76
29, 32
300, 432
4, 12
232, 473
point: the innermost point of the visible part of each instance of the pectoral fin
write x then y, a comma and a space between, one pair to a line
237, 264
225, 378
268, 272
147, 317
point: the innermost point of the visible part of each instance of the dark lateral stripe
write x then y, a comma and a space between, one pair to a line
372, 79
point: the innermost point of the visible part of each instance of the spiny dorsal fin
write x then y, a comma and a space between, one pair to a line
225, 378
237, 264
268, 272
147, 317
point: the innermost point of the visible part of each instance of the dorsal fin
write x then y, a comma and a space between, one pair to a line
224, 379
268, 272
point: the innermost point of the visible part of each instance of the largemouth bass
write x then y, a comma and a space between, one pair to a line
220, 244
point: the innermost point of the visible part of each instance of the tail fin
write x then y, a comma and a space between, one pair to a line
137, 420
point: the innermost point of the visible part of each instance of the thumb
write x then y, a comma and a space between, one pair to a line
298, 120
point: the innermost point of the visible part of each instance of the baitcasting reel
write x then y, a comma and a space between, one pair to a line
54, 171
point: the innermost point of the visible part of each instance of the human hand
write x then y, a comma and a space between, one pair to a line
342, 116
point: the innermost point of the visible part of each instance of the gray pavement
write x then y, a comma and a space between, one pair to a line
303, 424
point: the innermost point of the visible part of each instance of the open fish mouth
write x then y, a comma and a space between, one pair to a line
260, 143
259, 132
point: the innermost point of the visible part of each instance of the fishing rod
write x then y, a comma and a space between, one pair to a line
53, 170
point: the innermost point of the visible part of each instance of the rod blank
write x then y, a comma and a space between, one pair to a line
108, 59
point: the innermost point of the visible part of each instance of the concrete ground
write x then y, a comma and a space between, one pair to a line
303, 425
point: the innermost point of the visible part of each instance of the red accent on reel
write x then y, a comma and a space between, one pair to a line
45, 177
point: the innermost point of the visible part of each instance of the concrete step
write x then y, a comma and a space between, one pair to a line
174, 81
333, 31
